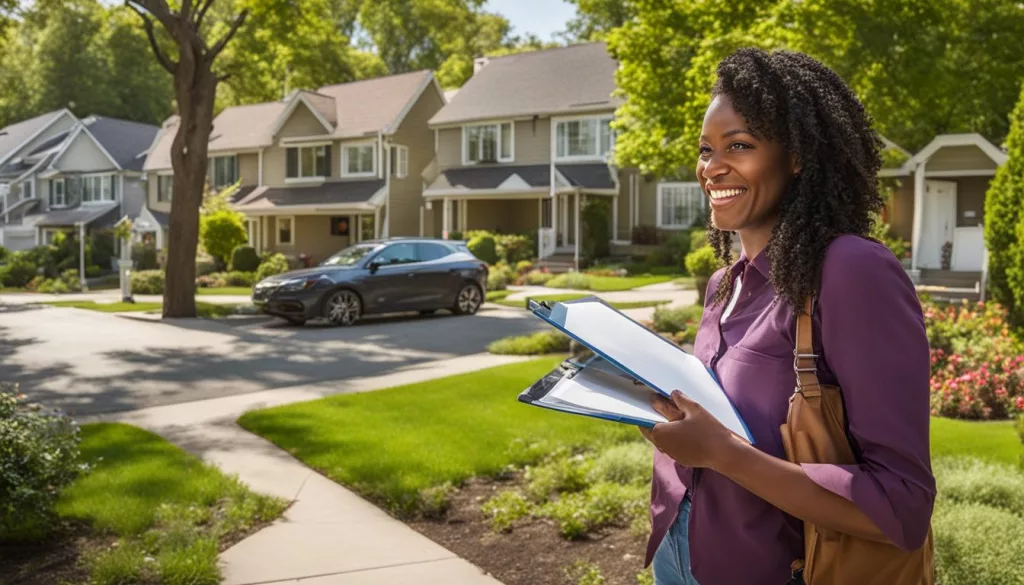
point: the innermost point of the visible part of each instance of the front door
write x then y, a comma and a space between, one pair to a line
939, 222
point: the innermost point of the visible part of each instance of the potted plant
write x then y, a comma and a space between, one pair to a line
701, 264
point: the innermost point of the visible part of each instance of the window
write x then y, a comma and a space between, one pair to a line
488, 143
308, 162
404, 253
680, 205
223, 171
285, 226
399, 162
587, 137
359, 160
27, 190
351, 255
427, 252
57, 198
97, 188
164, 187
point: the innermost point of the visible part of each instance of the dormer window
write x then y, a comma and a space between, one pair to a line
488, 143
223, 171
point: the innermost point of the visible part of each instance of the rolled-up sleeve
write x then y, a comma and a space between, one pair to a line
874, 341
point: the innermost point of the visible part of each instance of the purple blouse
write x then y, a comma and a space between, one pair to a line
869, 330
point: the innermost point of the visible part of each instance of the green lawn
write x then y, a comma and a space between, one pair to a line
622, 305
994, 441
202, 309
162, 503
242, 291
617, 283
497, 295
389, 445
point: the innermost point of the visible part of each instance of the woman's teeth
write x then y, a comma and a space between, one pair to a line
725, 193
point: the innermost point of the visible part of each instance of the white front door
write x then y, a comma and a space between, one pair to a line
939, 222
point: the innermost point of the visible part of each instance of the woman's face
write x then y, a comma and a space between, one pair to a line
743, 175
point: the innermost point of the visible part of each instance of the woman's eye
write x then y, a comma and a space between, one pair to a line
739, 146
705, 150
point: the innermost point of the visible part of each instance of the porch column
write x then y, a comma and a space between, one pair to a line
353, 236
576, 244
554, 217
463, 215
919, 203
81, 256
376, 223
446, 219
615, 217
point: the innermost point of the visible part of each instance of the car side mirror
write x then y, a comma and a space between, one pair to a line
373, 266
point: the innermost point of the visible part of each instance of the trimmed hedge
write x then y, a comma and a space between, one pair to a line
245, 259
148, 282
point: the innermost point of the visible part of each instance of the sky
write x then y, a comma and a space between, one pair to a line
540, 17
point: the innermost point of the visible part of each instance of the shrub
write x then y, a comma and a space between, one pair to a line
148, 282
965, 480
245, 259
215, 280
561, 473
497, 280
4, 253
524, 266
628, 463
538, 278
645, 235
544, 342
977, 544
101, 245
53, 286
600, 505
1015, 276
584, 573
882, 232
675, 320
698, 239
275, 264
204, 268
39, 451
237, 278
595, 217
93, 271
571, 280
435, 501
144, 257
1003, 203
485, 248
18, 271
513, 248
702, 262
505, 508
221, 232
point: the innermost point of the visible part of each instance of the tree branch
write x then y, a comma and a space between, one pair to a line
164, 60
212, 54
201, 13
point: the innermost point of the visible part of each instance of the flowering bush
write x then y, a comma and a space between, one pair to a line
977, 367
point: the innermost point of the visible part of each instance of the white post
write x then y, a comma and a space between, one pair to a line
615, 217
81, 255
576, 244
554, 217
919, 203
376, 223
446, 220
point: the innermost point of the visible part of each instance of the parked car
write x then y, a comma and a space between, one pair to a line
386, 276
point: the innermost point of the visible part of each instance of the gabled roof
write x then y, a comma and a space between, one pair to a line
123, 140
376, 105
566, 80
14, 136
242, 127
159, 156
941, 141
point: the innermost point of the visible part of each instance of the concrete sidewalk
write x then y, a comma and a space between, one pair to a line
676, 296
329, 536
111, 296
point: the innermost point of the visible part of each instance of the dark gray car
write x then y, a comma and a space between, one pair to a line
388, 276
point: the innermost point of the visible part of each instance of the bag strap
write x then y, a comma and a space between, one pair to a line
805, 361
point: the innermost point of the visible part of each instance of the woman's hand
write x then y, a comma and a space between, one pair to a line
692, 437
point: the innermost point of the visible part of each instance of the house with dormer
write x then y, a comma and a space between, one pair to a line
318, 170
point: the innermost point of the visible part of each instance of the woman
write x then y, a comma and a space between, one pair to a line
788, 161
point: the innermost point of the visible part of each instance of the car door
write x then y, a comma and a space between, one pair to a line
392, 285
435, 276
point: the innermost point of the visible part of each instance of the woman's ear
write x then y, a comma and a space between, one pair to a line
794, 165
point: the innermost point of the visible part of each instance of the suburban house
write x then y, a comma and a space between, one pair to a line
318, 170
938, 206
71, 175
525, 138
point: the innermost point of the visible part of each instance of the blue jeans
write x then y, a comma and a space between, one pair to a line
671, 563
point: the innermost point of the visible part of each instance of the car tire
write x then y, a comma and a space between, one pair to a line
343, 308
468, 301
296, 321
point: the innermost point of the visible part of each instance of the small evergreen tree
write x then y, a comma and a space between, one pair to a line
1003, 204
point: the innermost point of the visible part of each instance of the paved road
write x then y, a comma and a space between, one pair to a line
89, 363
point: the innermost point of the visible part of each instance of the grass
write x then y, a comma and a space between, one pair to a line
208, 310
242, 291
390, 445
616, 283
541, 343
993, 441
622, 305
161, 502
497, 295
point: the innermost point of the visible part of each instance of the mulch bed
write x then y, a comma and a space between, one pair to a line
533, 553
53, 561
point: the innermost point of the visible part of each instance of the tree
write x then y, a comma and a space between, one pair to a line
595, 19
221, 232
1003, 214
138, 88
190, 60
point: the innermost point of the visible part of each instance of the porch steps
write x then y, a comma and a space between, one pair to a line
556, 264
948, 285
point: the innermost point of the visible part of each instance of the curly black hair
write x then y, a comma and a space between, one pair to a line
793, 99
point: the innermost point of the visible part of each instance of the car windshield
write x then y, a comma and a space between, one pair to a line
350, 256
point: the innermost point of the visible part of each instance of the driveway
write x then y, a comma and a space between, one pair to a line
90, 363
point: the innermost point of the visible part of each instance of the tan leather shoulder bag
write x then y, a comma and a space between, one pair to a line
815, 432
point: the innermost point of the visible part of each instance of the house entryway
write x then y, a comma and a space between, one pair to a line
939, 222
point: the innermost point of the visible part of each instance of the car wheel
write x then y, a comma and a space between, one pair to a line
297, 321
468, 300
343, 307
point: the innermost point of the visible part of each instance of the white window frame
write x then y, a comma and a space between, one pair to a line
662, 188
597, 138
299, 147
54, 183
213, 166
105, 179
400, 164
277, 230
497, 141
170, 192
345, 147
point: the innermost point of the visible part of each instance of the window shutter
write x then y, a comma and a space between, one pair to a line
327, 162
292, 164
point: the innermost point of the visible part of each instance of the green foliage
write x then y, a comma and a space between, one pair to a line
275, 264
571, 280
144, 257
677, 319
977, 544
18, 271
194, 563
1015, 275
602, 504
561, 473
485, 248
966, 480
702, 262
584, 573
628, 463
240, 279
882, 232
505, 508
698, 238
4, 254
102, 246
245, 259
645, 577
595, 19
497, 280
523, 266
538, 277
595, 217
221, 232
148, 282
514, 248
435, 500
540, 343
672, 252
39, 451
119, 565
